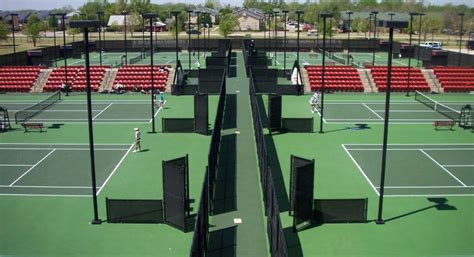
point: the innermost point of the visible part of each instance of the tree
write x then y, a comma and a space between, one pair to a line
52, 22
226, 10
73, 31
140, 6
228, 24
4, 31
251, 3
134, 22
34, 27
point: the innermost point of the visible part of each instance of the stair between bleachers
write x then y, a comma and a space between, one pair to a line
432, 81
169, 82
307, 86
108, 80
368, 88
41, 80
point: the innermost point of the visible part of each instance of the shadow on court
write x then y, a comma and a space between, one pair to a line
293, 242
223, 242
440, 204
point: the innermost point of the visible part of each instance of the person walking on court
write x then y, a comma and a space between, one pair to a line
314, 102
162, 99
137, 140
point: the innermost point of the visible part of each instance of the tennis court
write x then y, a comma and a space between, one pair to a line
371, 111
115, 59
359, 58
417, 169
118, 109
56, 169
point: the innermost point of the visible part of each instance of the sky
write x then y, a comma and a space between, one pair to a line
7, 5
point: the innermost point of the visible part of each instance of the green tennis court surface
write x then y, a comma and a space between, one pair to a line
403, 110
418, 170
160, 58
56, 169
315, 58
119, 109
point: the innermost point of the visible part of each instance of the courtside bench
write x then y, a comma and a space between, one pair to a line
36, 125
444, 123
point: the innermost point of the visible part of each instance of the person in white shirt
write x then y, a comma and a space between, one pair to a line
314, 102
137, 140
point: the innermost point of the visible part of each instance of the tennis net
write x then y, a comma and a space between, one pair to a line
135, 59
438, 107
338, 59
35, 109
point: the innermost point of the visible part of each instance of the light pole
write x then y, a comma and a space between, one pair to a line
13, 15
151, 17
54, 37
391, 15
375, 36
275, 17
175, 14
349, 37
265, 31
330, 37
125, 13
198, 13
410, 31
391, 25
100, 15
419, 39
298, 15
63, 15
460, 37
143, 35
269, 22
321, 121
284, 41
204, 32
85, 25
189, 38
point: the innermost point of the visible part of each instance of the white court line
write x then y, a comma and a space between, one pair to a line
85, 144
157, 111
370, 109
16, 165
84, 119
26, 172
360, 169
416, 119
401, 187
46, 186
411, 149
419, 144
62, 149
443, 168
427, 111
60, 110
435, 195
48, 195
168, 61
460, 165
317, 111
113, 171
103, 110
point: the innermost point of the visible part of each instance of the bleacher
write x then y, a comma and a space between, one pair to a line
139, 75
18, 78
455, 79
399, 79
76, 77
337, 78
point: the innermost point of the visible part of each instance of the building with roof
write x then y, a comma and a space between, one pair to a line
214, 14
249, 19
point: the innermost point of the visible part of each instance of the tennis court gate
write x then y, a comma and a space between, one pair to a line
173, 210
4, 120
199, 124
277, 123
306, 210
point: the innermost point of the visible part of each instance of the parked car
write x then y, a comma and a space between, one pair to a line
432, 44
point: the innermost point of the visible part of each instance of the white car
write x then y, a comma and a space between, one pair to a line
433, 45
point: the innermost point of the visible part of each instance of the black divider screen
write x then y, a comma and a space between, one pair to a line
134, 211
301, 190
201, 227
178, 125
216, 61
340, 210
201, 114
274, 112
297, 125
176, 192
